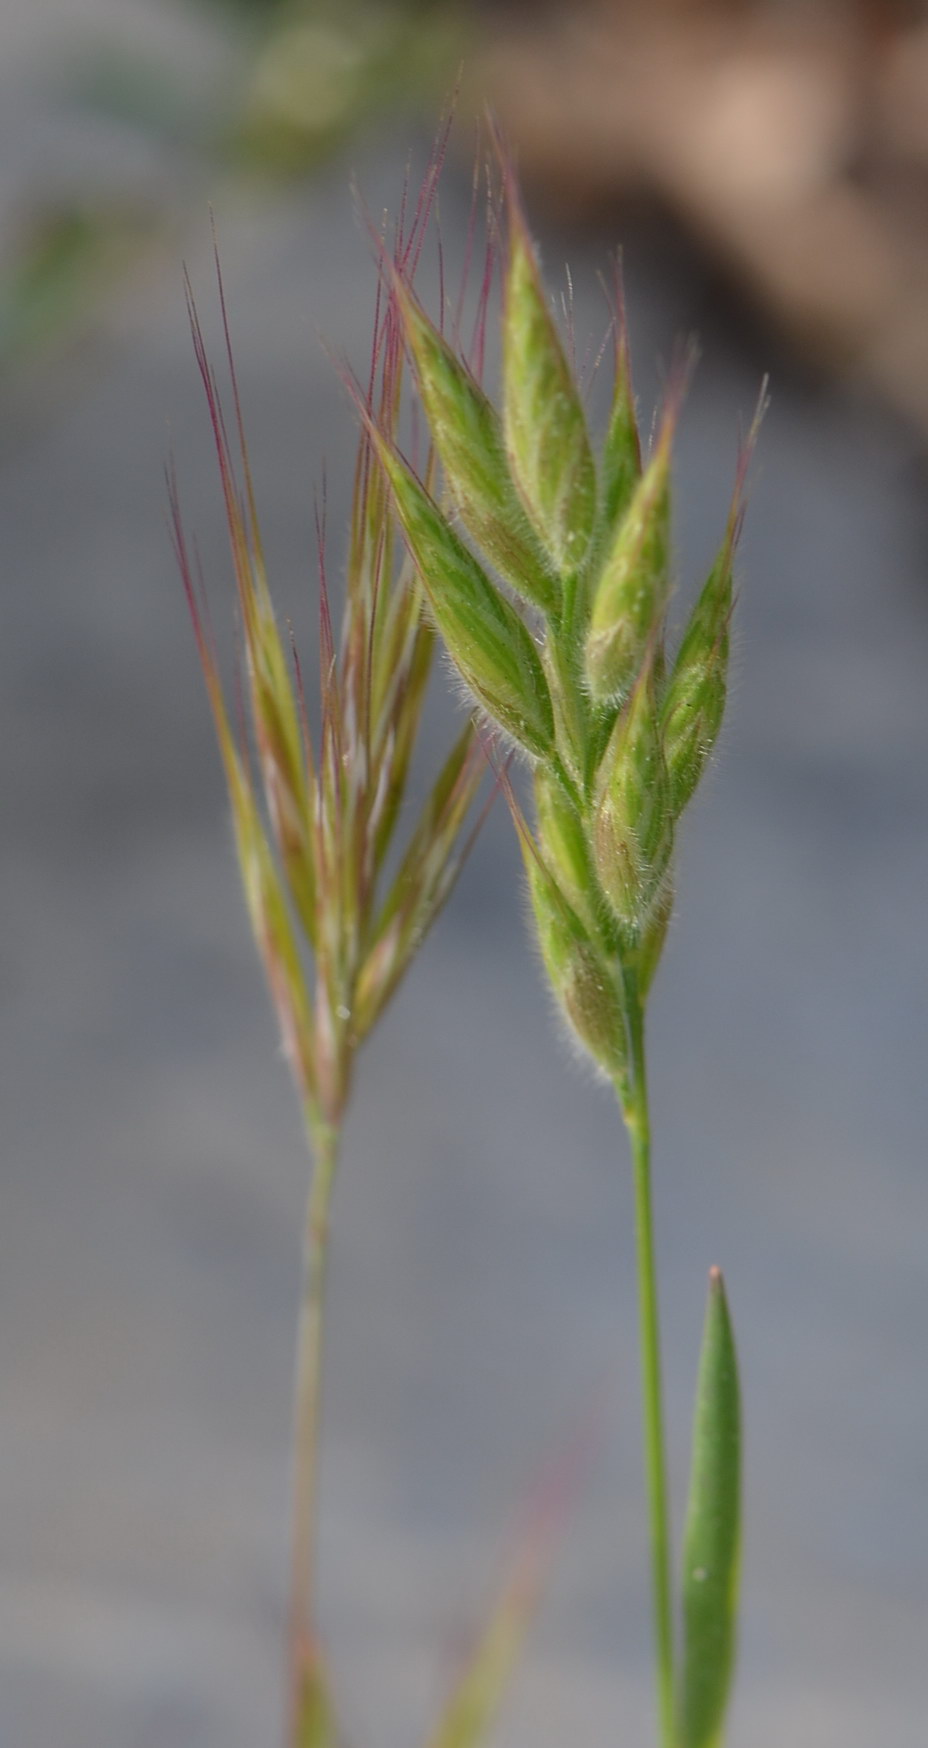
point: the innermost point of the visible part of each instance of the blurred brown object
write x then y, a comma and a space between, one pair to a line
790, 138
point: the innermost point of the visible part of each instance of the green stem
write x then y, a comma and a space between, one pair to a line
634, 1100
324, 1138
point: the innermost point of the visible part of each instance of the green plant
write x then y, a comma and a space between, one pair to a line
548, 579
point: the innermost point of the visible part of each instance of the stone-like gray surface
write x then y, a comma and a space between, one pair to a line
152, 1168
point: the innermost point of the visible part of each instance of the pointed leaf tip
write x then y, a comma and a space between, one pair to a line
712, 1541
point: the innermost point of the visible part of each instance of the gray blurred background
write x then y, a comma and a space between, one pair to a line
153, 1173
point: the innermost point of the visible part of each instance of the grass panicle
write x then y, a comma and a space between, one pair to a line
577, 678
548, 578
316, 805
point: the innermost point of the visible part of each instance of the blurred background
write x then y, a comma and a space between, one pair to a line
765, 169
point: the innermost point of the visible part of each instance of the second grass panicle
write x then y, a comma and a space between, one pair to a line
339, 900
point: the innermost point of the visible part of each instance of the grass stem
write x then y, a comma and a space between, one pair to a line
634, 1101
325, 1139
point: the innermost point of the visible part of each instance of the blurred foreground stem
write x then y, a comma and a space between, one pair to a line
633, 1098
325, 1140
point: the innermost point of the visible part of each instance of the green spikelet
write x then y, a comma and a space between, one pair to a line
583, 981
651, 945
631, 593
468, 438
485, 636
564, 846
549, 449
694, 702
633, 827
621, 461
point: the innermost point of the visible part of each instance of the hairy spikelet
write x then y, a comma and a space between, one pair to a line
632, 820
469, 442
631, 591
546, 436
493, 649
580, 973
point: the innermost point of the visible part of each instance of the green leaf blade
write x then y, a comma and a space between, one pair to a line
713, 1533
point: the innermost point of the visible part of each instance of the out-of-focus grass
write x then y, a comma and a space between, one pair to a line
306, 74
291, 81
62, 261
